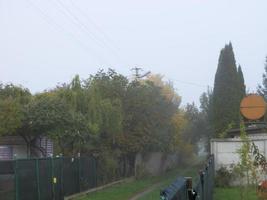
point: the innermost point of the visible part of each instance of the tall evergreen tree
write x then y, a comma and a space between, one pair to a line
227, 91
241, 82
262, 89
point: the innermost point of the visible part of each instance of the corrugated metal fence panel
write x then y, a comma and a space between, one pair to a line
7, 187
205, 184
6, 167
71, 176
26, 180
88, 173
47, 178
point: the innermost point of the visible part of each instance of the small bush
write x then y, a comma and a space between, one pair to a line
140, 171
223, 177
107, 168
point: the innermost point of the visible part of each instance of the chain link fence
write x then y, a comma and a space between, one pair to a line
181, 188
49, 178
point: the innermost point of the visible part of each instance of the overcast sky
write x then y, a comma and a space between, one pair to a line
44, 42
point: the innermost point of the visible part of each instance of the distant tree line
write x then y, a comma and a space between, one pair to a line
105, 115
220, 106
112, 117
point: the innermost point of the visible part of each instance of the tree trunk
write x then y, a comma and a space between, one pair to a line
131, 159
28, 149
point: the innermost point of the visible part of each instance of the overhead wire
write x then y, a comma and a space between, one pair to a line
72, 18
105, 40
60, 28
190, 83
97, 27
79, 24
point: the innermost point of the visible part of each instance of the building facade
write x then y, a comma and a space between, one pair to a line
15, 147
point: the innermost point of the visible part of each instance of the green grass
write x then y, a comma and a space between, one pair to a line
126, 190
154, 194
118, 192
233, 193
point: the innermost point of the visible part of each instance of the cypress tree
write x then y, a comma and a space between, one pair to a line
227, 91
241, 83
262, 89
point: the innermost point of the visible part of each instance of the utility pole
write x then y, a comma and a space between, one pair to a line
137, 74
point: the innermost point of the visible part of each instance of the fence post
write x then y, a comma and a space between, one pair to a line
16, 181
52, 177
79, 172
37, 177
96, 172
212, 168
207, 181
201, 173
62, 192
189, 187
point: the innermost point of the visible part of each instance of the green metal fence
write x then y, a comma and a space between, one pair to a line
47, 178
7, 180
53, 178
205, 184
181, 188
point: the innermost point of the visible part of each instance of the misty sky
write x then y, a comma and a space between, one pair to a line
44, 42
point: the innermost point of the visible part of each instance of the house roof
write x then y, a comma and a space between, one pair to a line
12, 140
250, 130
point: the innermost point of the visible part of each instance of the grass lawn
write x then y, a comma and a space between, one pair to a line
192, 172
126, 190
233, 193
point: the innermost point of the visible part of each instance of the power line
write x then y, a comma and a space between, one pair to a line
78, 23
103, 41
105, 36
190, 83
60, 28
137, 75
73, 19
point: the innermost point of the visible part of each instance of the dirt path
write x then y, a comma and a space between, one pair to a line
148, 190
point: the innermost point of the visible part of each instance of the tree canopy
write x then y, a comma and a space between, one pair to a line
105, 115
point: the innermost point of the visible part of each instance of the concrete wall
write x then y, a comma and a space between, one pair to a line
155, 163
225, 150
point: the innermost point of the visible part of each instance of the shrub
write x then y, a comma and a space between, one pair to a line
107, 168
223, 177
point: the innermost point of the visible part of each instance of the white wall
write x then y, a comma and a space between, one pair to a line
225, 150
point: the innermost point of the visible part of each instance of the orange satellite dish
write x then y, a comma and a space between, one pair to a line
253, 107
